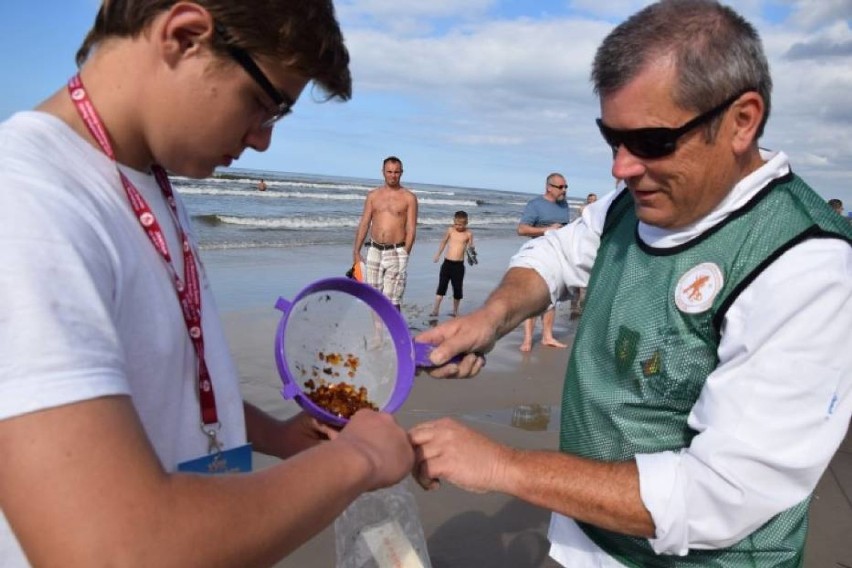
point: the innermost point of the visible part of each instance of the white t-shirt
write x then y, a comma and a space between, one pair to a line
772, 413
89, 309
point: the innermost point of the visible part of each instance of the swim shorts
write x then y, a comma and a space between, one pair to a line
386, 269
452, 271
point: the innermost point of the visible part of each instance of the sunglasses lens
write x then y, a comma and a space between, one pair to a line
648, 143
610, 136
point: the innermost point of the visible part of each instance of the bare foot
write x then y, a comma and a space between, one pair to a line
454, 315
433, 315
526, 346
553, 343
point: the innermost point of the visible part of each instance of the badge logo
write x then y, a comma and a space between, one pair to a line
653, 365
696, 290
626, 346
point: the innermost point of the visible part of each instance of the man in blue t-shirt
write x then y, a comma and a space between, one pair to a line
542, 214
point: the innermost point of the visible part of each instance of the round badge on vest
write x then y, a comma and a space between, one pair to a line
698, 287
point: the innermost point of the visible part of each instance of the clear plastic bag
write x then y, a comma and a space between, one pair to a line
381, 529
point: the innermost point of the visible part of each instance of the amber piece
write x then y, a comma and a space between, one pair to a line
334, 359
341, 399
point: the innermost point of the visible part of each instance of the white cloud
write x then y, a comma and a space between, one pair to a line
514, 93
834, 40
512, 62
408, 17
813, 160
477, 139
380, 9
610, 9
811, 14
812, 114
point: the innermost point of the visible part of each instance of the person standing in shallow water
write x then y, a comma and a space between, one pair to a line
578, 298
541, 215
459, 241
116, 380
390, 220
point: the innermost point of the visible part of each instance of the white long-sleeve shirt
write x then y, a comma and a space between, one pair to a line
769, 417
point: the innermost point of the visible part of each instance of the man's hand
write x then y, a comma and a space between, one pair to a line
471, 336
446, 449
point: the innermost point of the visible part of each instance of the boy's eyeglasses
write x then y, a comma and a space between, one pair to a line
283, 103
565, 186
658, 142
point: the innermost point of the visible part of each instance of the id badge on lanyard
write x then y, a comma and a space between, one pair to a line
188, 290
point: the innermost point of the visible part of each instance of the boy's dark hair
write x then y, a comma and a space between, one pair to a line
304, 36
460, 215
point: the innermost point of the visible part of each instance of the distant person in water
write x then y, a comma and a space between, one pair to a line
390, 218
458, 240
591, 198
579, 297
837, 205
261, 185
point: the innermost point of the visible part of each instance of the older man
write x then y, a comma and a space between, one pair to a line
709, 382
541, 214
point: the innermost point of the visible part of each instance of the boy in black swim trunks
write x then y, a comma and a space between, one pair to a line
458, 239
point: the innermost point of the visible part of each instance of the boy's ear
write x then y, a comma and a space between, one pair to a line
183, 29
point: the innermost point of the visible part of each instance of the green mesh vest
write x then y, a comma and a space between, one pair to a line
648, 339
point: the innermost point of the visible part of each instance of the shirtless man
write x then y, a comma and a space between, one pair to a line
390, 216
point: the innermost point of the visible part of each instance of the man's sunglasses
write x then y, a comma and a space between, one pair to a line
650, 143
558, 186
283, 103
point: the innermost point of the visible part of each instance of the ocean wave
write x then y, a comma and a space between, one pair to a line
336, 222
294, 223
259, 244
269, 194
251, 185
430, 192
472, 222
273, 194
452, 202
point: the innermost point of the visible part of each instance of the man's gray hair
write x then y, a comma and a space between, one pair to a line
716, 53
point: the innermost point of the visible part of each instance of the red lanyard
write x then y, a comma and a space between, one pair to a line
189, 292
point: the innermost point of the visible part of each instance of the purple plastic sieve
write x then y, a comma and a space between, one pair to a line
333, 322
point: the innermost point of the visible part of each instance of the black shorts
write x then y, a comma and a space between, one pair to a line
452, 271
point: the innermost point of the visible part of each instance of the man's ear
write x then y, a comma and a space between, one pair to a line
747, 114
182, 30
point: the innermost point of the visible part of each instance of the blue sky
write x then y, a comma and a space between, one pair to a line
488, 93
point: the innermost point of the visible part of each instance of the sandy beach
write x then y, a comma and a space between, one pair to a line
514, 400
